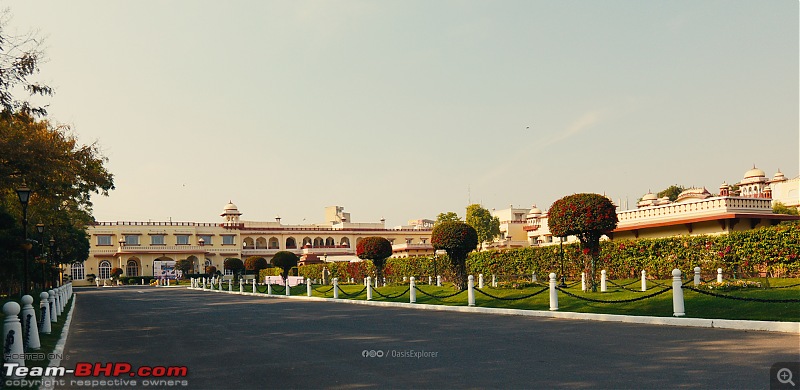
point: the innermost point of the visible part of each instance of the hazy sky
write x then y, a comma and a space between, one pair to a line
405, 109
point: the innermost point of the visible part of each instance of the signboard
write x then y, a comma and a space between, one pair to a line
165, 269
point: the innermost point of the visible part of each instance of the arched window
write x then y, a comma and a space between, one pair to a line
291, 243
77, 271
105, 269
306, 241
261, 243
132, 269
318, 242
330, 242
248, 243
345, 242
273, 243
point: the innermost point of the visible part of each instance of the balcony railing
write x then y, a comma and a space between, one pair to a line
716, 205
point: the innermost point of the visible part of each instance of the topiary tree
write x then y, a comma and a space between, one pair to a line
255, 264
457, 239
377, 249
116, 272
211, 270
185, 266
285, 260
235, 265
586, 216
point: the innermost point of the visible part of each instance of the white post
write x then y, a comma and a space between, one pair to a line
480, 280
168, 282
44, 308
220, 284
696, 276
471, 290
412, 293
308, 287
533, 277
583, 281
644, 280
553, 293
204, 282
51, 300
56, 305
430, 280
287, 287
494, 281
29, 328
12, 334
230, 285
241, 285
369, 287
255, 290
603, 276
335, 288
719, 275
677, 294
438, 280
269, 288
376, 282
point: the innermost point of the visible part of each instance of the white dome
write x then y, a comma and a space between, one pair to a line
535, 211
649, 196
230, 206
779, 176
755, 172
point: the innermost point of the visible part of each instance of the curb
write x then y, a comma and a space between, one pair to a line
48, 383
769, 326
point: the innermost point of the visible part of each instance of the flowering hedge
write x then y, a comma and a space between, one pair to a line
772, 250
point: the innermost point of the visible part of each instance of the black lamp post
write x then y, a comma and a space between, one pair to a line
435, 269
24, 195
50, 253
40, 230
563, 277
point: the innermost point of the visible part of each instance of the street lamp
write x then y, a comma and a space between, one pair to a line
40, 230
50, 252
435, 270
563, 277
24, 195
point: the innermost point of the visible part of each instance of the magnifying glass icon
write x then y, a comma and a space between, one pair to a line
785, 376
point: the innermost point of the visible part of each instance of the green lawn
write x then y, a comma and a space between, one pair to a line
697, 305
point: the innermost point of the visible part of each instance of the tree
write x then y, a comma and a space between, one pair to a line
447, 217
185, 266
211, 270
671, 192
285, 260
116, 272
457, 239
586, 216
481, 220
255, 264
377, 249
780, 208
235, 265
19, 61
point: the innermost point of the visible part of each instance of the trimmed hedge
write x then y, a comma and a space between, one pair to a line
774, 251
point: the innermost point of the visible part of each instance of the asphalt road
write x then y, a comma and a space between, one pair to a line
240, 342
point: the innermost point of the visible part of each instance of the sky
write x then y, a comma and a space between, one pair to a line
405, 109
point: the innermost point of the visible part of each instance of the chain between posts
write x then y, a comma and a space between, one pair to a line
440, 297
352, 295
742, 298
392, 296
617, 301
514, 298
258, 289
323, 292
629, 289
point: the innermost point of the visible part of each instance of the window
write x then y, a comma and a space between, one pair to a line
132, 269
206, 239
103, 240
228, 240
132, 239
105, 269
77, 271
273, 243
157, 239
408, 240
291, 243
182, 239
228, 271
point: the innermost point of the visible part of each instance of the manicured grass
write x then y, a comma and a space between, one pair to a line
697, 305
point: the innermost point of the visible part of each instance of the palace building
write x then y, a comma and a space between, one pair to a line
151, 248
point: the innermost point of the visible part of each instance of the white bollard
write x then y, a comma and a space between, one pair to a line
480, 281
335, 288
644, 280
438, 280
719, 275
553, 293
220, 284
308, 287
430, 280
13, 353
168, 281
51, 300
287, 288
412, 293
269, 288
57, 304
376, 282
369, 287
255, 290
494, 281
677, 294
533, 277
603, 276
30, 332
696, 276
230, 285
471, 290
44, 308
241, 286
204, 283
583, 281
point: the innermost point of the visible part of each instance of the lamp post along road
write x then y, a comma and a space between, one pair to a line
24, 195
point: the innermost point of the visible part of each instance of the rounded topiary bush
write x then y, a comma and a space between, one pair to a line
377, 249
457, 239
285, 260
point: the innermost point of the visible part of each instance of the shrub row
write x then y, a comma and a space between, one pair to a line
774, 251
